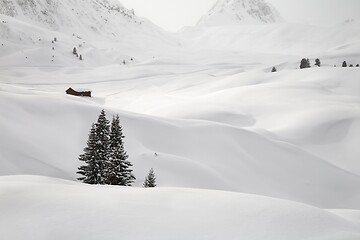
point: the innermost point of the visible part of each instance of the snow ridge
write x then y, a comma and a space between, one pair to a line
234, 12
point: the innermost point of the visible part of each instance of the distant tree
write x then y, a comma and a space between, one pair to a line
344, 64
90, 171
351, 65
150, 180
118, 169
305, 63
357, 65
55, 39
274, 69
75, 51
81, 58
317, 62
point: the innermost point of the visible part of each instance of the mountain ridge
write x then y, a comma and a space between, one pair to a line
235, 12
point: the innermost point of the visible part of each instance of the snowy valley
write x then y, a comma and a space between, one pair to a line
239, 152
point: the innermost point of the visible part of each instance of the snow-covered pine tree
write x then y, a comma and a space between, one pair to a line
90, 171
118, 170
150, 180
102, 131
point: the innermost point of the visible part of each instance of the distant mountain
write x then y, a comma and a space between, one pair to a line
104, 32
234, 12
105, 17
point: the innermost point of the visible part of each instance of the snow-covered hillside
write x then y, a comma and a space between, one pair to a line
52, 208
279, 151
104, 32
97, 17
240, 12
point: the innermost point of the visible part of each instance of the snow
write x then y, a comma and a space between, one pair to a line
240, 151
244, 12
57, 209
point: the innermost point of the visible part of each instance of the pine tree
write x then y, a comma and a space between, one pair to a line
102, 130
74, 51
305, 63
150, 180
118, 169
80, 58
91, 170
357, 65
317, 62
274, 69
344, 64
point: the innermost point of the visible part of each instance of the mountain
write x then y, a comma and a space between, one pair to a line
104, 32
73, 16
234, 12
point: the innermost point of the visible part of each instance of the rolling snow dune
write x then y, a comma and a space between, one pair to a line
191, 153
57, 209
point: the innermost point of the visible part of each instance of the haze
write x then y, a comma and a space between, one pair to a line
172, 15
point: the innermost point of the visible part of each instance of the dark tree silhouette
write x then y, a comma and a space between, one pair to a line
150, 180
118, 170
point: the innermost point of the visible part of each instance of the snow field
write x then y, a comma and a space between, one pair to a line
58, 209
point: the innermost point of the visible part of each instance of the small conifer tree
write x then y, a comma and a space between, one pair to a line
75, 51
317, 62
80, 58
344, 64
305, 63
150, 180
274, 69
357, 65
351, 65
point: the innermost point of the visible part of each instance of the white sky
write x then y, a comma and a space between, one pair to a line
175, 14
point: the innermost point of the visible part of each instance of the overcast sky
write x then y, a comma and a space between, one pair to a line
175, 14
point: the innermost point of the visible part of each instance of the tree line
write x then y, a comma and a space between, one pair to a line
305, 63
105, 160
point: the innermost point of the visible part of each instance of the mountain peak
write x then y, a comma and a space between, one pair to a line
235, 12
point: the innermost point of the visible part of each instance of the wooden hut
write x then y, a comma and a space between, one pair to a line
71, 91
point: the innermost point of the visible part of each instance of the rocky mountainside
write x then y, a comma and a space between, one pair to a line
46, 31
234, 12
73, 16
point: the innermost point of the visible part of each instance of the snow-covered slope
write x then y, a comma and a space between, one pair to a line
96, 17
233, 131
49, 208
240, 12
103, 31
